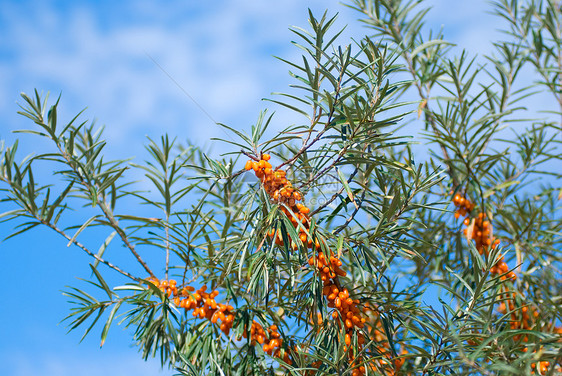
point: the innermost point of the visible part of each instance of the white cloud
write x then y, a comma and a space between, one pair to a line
222, 59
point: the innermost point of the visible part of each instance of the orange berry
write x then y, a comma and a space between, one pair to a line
266, 157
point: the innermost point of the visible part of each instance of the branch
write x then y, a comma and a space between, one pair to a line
102, 205
85, 249
348, 221
335, 195
115, 225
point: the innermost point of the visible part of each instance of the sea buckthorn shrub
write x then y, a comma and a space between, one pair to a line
333, 243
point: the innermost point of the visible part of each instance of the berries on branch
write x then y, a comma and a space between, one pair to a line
201, 302
480, 230
346, 309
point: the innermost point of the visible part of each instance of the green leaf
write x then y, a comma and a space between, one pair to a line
343, 180
109, 321
499, 187
82, 228
428, 44
103, 247
102, 282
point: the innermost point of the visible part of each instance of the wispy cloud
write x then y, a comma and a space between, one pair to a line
221, 57
468, 24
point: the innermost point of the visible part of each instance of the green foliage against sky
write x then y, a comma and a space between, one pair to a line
372, 200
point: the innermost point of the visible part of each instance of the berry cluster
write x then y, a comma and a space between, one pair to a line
501, 268
480, 230
282, 191
271, 341
376, 331
202, 303
168, 287
371, 323
525, 318
542, 367
346, 310
520, 318
328, 270
205, 306
463, 204
481, 233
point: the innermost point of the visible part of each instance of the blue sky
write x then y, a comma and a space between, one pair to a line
96, 53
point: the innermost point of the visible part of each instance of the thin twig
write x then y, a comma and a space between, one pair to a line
123, 236
85, 249
348, 221
325, 170
335, 195
106, 211
67, 237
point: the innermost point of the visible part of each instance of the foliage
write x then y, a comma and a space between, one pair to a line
326, 261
